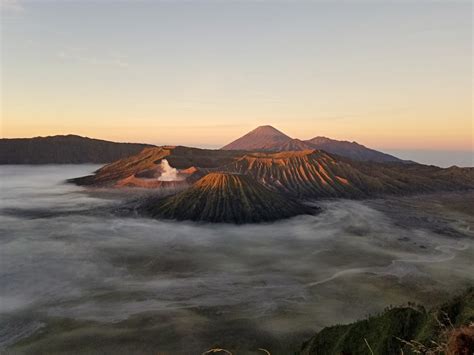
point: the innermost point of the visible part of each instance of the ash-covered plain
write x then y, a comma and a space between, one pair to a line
75, 276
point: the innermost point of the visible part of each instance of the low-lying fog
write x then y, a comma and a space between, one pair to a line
270, 285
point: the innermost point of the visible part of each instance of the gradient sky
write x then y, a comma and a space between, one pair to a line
393, 75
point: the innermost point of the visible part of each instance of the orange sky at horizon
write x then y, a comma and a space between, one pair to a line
204, 73
396, 137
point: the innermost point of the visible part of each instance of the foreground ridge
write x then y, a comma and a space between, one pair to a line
446, 329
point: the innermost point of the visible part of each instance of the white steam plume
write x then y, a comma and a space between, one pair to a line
168, 172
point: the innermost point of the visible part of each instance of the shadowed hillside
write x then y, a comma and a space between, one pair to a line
224, 197
68, 149
443, 330
351, 150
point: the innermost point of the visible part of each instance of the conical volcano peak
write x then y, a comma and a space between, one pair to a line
268, 131
226, 197
261, 138
269, 139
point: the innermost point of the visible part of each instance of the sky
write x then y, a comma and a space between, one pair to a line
392, 75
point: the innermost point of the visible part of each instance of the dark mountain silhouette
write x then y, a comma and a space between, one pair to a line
228, 198
352, 150
269, 139
294, 145
70, 149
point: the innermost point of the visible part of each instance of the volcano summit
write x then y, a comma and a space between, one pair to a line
269, 139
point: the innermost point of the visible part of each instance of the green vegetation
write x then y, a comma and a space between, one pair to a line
401, 329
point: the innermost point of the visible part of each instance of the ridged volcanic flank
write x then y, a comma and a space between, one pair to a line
308, 173
226, 197
316, 174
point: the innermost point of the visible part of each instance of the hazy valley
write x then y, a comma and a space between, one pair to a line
151, 284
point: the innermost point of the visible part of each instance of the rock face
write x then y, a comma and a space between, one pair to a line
68, 149
269, 139
225, 197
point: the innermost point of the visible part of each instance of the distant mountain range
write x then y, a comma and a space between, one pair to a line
264, 175
73, 149
269, 139
69, 149
233, 185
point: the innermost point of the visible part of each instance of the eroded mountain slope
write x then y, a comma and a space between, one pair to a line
318, 174
225, 197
